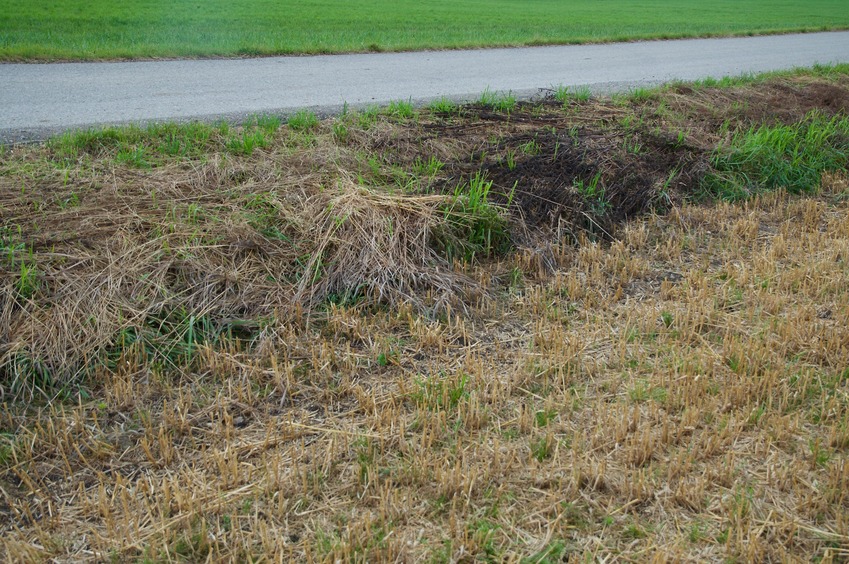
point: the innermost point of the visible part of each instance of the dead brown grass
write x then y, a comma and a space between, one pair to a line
673, 390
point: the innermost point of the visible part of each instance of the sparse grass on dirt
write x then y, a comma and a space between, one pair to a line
101, 29
456, 334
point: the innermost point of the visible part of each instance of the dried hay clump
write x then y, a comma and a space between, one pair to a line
192, 255
377, 244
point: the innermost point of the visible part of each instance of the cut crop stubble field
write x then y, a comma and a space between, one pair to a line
573, 329
102, 29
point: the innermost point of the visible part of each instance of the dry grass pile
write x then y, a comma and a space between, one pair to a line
223, 246
319, 348
379, 245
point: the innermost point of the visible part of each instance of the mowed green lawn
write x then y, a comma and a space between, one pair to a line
106, 29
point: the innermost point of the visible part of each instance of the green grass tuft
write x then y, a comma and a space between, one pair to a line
443, 106
400, 110
246, 142
141, 147
767, 157
267, 122
498, 101
427, 168
303, 120
594, 194
565, 94
474, 225
368, 117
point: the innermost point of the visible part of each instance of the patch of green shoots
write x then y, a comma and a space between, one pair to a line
267, 122
498, 101
474, 226
368, 117
542, 448
768, 157
302, 120
593, 193
530, 148
133, 156
247, 142
427, 168
552, 553
440, 392
566, 94
173, 339
340, 130
400, 110
27, 282
134, 145
638, 95
443, 106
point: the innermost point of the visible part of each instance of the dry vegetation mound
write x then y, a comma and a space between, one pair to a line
566, 329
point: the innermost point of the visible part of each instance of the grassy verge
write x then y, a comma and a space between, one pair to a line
41, 30
506, 331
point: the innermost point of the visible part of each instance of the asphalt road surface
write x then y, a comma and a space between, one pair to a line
38, 100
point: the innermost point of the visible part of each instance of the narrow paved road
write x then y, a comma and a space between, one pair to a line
37, 100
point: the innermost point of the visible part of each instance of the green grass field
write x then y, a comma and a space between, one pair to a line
101, 29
